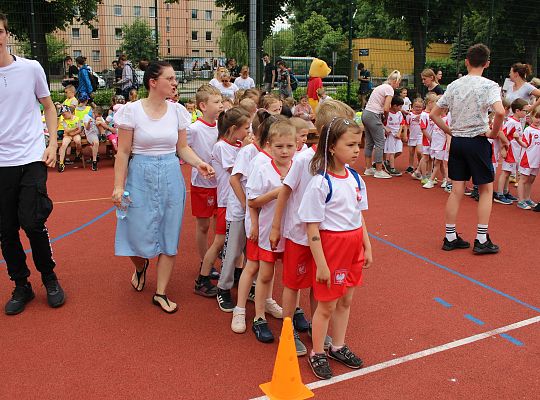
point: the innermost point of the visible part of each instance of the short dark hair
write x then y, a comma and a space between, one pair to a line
154, 71
3, 19
68, 58
518, 105
122, 57
266, 55
478, 55
361, 66
80, 60
397, 101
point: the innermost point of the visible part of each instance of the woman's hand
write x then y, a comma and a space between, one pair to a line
117, 194
323, 275
206, 170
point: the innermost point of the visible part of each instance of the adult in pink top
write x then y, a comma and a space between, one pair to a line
372, 118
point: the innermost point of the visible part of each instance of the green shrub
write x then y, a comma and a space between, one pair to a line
102, 97
341, 95
448, 67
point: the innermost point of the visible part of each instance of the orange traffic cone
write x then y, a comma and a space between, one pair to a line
286, 381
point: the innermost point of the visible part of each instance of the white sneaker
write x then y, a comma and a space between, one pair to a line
369, 171
417, 176
429, 184
238, 324
443, 184
382, 175
273, 308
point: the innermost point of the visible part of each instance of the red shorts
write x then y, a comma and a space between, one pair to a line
344, 253
269, 256
252, 250
203, 202
221, 224
297, 266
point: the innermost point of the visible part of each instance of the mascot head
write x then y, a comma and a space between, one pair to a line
319, 69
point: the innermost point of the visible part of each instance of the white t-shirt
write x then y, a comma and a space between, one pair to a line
524, 92
438, 137
406, 104
201, 138
152, 137
244, 84
297, 179
414, 122
214, 82
376, 101
223, 157
468, 99
93, 129
344, 210
22, 83
235, 211
263, 179
427, 124
228, 91
394, 122
259, 160
510, 127
531, 155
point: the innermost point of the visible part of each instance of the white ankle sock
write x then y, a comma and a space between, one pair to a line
451, 232
481, 233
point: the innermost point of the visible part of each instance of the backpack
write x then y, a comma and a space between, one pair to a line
327, 177
93, 80
135, 80
294, 81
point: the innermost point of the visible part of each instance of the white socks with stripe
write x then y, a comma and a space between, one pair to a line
451, 232
481, 233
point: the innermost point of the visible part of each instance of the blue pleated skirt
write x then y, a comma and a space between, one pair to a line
154, 217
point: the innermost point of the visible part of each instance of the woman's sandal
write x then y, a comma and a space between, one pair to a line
158, 303
141, 274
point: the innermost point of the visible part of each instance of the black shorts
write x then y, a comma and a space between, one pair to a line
471, 157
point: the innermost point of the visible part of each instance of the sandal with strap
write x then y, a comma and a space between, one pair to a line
158, 303
141, 274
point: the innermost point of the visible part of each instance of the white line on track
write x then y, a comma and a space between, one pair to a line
420, 354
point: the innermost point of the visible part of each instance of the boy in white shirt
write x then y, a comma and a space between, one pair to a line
393, 145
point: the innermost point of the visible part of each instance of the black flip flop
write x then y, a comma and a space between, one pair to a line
140, 275
164, 297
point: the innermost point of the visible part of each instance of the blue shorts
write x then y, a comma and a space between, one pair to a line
471, 158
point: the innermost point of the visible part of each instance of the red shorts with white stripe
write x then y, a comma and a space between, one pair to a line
297, 266
203, 202
221, 224
344, 253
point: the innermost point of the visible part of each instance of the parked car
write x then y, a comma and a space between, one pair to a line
101, 81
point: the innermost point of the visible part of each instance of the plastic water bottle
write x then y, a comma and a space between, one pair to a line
121, 211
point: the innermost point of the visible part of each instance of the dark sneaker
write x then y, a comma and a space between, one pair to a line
262, 331
409, 170
485, 248
301, 349
394, 172
299, 320
457, 243
346, 357
320, 367
214, 274
61, 167
224, 300
67, 161
19, 298
55, 293
204, 287
501, 199
251, 294
94, 165
327, 339
537, 208
237, 274
78, 158
475, 195
386, 166
510, 197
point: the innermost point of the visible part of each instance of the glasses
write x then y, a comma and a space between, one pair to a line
171, 79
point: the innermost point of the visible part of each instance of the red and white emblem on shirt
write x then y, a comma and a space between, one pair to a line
340, 276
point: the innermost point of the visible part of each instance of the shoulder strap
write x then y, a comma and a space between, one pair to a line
356, 176
329, 195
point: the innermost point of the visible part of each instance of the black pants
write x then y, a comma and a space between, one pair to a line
24, 204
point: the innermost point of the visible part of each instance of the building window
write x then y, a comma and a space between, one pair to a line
208, 35
167, 24
194, 35
117, 10
152, 12
208, 15
209, 51
96, 55
118, 53
195, 52
153, 34
167, 6
95, 33
77, 53
75, 33
194, 14
168, 46
118, 33
137, 11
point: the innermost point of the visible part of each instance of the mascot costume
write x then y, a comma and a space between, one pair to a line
318, 70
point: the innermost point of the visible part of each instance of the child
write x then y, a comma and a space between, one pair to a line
415, 135
272, 104
468, 100
262, 190
192, 109
512, 130
297, 257
83, 108
332, 209
94, 125
530, 160
321, 94
133, 96
302, 131
406, 101
249, 157
438, 153
233, 127
303, 110
227, 103
393, 144
202, 135
72, 132
70, 100
426, 125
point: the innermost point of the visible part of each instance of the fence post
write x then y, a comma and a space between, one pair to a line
156, 28
349, 80
253, 62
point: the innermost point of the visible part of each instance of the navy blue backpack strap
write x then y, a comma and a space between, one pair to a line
327, 177
356, 176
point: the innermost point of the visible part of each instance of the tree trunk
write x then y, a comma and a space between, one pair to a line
531, 54
418, 43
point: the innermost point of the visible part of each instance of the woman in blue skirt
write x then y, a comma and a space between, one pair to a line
152, 135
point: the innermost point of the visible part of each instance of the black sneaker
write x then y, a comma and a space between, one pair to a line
474, 194
251, 294
394, 172
204, 287
299, 320
457, 243
61, 167
94, 165
409, 170
536, 208
224, 300
19, 298
55, 293
214, 274
320, 366
485, 248
237, 274
386, 166
67, 161
262, 331
510, 197
346, 357
78, 158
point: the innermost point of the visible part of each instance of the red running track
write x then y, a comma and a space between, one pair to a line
109, 342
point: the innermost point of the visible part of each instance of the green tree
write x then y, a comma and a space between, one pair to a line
56, 49
233, 43
138, 42
32, 20
278, 43
308, 35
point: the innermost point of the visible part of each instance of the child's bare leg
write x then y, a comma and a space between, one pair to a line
290, 301
201, 235
78, 146
436, 170
340, 318
66, 140
391, 160
521, 188
212, 254
246, 280
502, 186
264, 281
530, 182
95, 150
321, 318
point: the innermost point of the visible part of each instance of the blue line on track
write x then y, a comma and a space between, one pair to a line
473, 319
459, 274
442, 302
79, 228
511, 339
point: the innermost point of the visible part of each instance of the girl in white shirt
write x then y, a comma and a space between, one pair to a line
152, 132
332, 209
244, 81
226, 87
